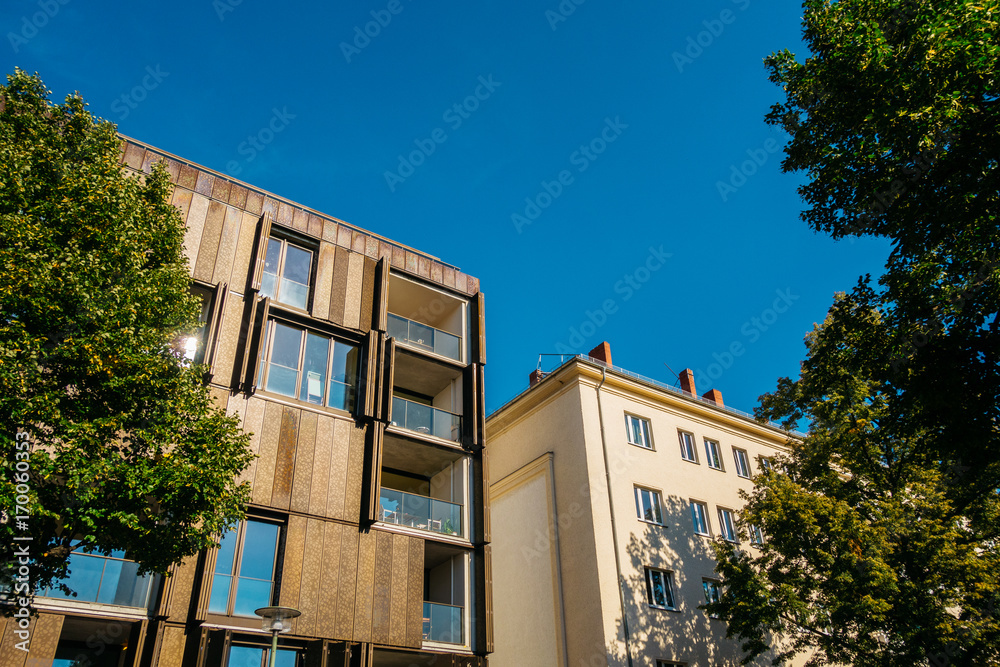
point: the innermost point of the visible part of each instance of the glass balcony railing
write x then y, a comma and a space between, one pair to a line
105, 580
425, 419
425, 337
407, 509
442, 623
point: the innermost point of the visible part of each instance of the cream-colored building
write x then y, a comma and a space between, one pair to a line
597, 476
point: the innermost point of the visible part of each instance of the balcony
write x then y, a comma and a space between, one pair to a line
105, 580
425, 337
443, 623
426, 419
421, 512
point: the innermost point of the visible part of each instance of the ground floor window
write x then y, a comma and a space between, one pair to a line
253, 656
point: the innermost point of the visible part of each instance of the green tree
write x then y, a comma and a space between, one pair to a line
883, 524
127, 449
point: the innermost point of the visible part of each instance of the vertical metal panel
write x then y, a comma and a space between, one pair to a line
183, 588
470, 392
284, 460
372, 481
415, 594
348, 582
263, 481
370, 366
480, 532
44, 639
312, 576
171, 647
214, 649
227, 246
208, 248
253, 421
380, 296
166, 590
216, 316
259, 252
355, 472
324, 281
384, 411
485, 462
255, 344
317, 654
488, 596
340, 655
204, 579
225, 367
480, 415
339, 456
195, 223
399, 585
136, 643
326, 621
302, 479
478, 332
243, 261
355, 281
291, 566
382, 594
366, 586
320, 479
338, 293
365, 314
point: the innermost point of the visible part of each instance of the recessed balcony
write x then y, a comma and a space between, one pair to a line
443, 623
426, 419
425, 337
420, 512
104, 580
424, 318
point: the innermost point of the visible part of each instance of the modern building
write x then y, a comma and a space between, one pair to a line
357, 365
606, 490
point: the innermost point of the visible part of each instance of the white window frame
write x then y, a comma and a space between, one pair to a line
646, 430
689, 451
727, 525
668, 585
712, 589
706, 524
713, 453
640, 505
742, 460
756, 535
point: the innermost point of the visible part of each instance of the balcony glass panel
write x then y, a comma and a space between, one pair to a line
97, 578
424, 337
442, 623
407, 509
425, 419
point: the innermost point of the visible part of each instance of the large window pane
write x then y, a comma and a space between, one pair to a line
244, 579
251, 594
246, 656
272, 261
258, 550
283, 371
314, 369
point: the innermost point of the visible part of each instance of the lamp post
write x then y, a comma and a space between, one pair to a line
275, 620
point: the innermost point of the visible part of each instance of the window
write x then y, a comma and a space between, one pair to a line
296, 363
194, 345
637, 430
713, 590
742, 462
244, 569
660, 588
647, 505
699, 516
713, 454
285, 277
688, 452
756, 535
252, 656
726, 525
766, 464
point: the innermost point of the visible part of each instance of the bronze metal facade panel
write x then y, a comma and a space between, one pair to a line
300, 219
270, 207
449, 277
270, 431
244, 251
208, 250
329, 231
238, 196
355, 470
415, 594
291, 566
220, 190
227, 247
411, 262
44, 639
219, 396
284, 214
398, 257
302, 479
366, 588
423, 267
348, 582
284, 462
255, 203
380, 296
339, 455
355, 281
371, 247
183, 588
195, 225
315, 225
228, 342
320, 478
367, 295
204, 183
188, 177
461, 281
133, 155
344, 236
182, 200
382, 594
324, 281
252, 423
9, 655
150, 159
399, 585
338, 293
171, 652
312, 578
326, 607
437, 272
385, 250
359, 242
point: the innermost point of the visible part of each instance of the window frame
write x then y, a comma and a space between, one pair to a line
289, 240
727, 529
648, 431
705, 518
668, 586
265, 652
639, 508
237, 566
688, 446
742, 463
756, 535
713, 585
716, 449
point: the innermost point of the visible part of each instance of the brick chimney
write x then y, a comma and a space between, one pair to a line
687, 381
713, 395
602, 353
535, 377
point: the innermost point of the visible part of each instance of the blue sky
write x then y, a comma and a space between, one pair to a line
604, 169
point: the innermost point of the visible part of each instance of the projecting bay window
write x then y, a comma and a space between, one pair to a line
308, 366
286, 273
243, 579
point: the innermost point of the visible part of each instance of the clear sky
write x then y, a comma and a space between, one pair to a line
603, 168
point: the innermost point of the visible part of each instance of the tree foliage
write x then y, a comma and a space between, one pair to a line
128, 451
883, 523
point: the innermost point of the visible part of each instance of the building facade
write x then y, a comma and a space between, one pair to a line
607, 489
357, 365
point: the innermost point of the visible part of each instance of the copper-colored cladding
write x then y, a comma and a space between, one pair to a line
338, 296
329, 581
211, 234
347, 590
44, 632
399, 575
183, 588
227, 246
303, 464
284, 465
204, 184
263, 481
355, 281
171, 646
291, 565
312, 576
381, 603
415, 594
367, 295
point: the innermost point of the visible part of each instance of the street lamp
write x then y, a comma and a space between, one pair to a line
275, 620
